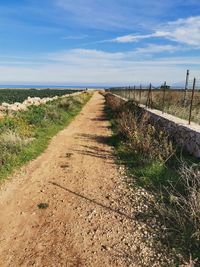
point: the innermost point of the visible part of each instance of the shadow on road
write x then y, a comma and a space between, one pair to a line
95, 151
102, 139
99, 119
94, 202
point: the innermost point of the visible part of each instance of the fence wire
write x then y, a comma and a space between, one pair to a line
181, 102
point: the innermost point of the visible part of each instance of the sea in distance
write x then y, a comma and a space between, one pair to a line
47, 87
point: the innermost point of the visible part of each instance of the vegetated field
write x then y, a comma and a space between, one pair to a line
19, 95
173, 104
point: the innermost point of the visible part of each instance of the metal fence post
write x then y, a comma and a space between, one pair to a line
163, 102
147, 98
148, 104
134, 92
140, 93
192, 98
186, 88
151, 97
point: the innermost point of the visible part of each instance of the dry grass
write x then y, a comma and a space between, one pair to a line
10, 144
174, 101
143, 137
180, 209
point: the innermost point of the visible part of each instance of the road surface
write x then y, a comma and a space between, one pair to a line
62, 209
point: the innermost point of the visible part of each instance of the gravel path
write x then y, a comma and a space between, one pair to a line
69, 207
76, 177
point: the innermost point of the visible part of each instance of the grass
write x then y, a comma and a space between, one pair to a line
25, 135
169, 179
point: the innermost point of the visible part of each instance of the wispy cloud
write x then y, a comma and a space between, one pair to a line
75, 37
115, 14
99, 58
156, 49
85, 66
186, 31
134, 38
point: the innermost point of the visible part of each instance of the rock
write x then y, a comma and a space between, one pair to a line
103, 247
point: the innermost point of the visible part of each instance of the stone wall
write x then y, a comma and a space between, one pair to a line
30, 101
184, 135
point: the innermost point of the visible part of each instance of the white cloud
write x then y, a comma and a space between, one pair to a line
134, 38
185, 31
82, 66
156, 49
95, 57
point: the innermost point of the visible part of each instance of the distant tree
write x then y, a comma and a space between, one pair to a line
165, 86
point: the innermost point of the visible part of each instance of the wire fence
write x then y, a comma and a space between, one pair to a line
181, 102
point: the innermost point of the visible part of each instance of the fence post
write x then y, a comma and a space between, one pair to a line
186, 88
148, 97
191, 103
151, 97
134, 93
163, 102
140, 94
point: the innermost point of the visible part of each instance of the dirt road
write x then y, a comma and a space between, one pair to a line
75, 182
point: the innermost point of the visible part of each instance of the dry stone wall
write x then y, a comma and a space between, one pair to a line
184, 135
31, 101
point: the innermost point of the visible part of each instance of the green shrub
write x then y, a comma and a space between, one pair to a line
35, 115
64, 103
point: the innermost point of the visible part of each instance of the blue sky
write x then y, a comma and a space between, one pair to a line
98, 42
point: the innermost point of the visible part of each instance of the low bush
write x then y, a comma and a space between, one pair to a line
64, 104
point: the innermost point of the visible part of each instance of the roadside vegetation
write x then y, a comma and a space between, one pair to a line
154, 163
25, 134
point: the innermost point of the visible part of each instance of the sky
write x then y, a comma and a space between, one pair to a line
99, 42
